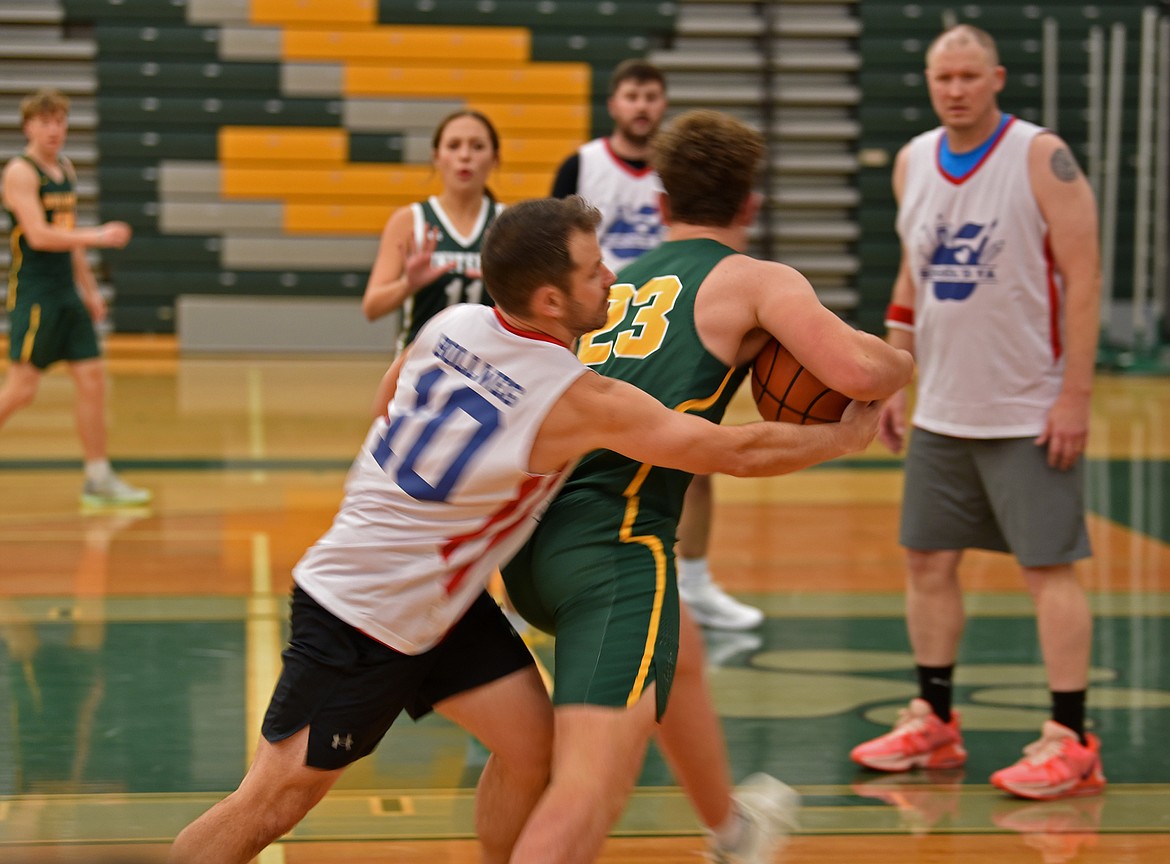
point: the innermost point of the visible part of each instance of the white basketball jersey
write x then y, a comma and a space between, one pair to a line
631, 222
987, 332
440, 494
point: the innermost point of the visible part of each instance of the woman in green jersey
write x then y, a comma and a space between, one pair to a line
428, 257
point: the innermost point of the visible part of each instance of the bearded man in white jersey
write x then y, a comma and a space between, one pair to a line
997, 295
487, 410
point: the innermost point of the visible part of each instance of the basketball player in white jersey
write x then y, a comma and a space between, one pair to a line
613, 173
997, 296
488, 409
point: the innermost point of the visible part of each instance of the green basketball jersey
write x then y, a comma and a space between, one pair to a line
32, 271
456, 286
651, 342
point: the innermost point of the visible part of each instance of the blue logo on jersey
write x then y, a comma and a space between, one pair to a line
959, 261
632, 232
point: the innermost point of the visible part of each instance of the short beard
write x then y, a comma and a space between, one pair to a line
636, 139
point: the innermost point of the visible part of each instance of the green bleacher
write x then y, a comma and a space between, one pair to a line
895, 105
637, 16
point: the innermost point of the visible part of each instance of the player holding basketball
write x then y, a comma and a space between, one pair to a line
997, 295
614, 174
684, 321
488, 408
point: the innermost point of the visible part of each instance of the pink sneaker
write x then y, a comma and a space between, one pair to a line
1056, 766
918, 740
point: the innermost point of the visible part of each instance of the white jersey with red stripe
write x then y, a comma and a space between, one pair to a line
440, 494
987, 331
631, 219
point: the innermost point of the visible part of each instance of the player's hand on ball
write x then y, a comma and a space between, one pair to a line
860, 422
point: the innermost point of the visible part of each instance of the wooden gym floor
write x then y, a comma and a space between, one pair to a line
137, 650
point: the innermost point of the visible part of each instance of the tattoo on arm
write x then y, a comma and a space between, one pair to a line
1064, 166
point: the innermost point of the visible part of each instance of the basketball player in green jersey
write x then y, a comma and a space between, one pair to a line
684, 321
428, 256
53, 299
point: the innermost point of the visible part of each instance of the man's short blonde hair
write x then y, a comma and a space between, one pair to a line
966, 34
43, 102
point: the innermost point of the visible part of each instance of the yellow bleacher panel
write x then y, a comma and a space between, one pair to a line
352, 219
430, 46
568, 81
337, 184
512, 118
282, 144
530, 153
513, 186
313, 11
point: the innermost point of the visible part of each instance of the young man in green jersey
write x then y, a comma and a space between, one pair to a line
53, 298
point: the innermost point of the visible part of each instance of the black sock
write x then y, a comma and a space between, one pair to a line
934, 685
1068, 709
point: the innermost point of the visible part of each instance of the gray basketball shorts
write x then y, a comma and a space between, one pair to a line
998, 494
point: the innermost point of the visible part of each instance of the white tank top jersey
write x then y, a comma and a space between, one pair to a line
631, 222
440, 494
987, 332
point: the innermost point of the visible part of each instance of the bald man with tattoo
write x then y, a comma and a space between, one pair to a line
997, 296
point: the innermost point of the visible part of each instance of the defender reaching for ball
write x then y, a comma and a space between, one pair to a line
487, 410
683, 323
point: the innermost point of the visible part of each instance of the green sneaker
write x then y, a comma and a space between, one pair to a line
113, 492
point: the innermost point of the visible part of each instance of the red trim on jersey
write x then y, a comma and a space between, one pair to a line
1053, 299
624, 165
959, 181
530, 494
526, 334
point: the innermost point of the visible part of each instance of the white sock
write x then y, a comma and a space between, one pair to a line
97, 470
728, 835
692, 571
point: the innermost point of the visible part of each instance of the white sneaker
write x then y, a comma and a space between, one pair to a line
711, 606
113, 492
768, 808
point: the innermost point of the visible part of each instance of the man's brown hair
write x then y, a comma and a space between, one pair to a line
43, 102
708, 163
527, 246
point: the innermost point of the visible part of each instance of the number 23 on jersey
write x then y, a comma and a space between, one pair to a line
642, 335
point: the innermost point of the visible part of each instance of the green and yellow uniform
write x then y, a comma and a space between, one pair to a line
46, 319
599, 571
457, 286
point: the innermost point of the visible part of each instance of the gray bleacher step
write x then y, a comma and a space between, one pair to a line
751, 61
804, 25
814, 163
816, 130
843, 197
21, 77
31, 12
26, 48
280, 324
816, 230
812, 264
753, 94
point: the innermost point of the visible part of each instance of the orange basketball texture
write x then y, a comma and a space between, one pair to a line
786, 391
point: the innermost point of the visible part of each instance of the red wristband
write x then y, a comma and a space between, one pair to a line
900, 317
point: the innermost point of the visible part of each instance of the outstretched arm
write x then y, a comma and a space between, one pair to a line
605, 413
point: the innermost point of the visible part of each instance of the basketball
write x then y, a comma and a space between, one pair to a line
786, 391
